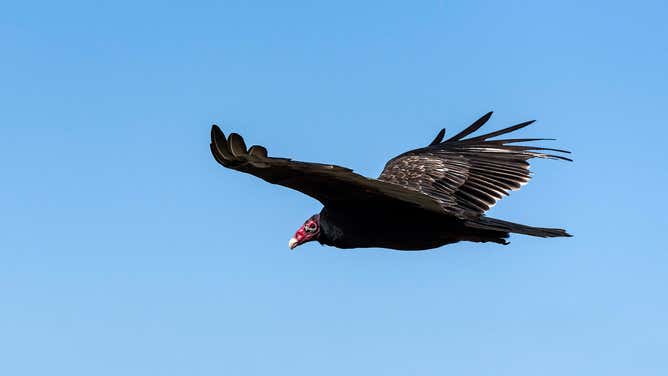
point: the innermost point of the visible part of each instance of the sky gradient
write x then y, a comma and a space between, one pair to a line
126, 250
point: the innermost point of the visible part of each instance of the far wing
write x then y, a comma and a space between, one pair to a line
467, 176
329, 184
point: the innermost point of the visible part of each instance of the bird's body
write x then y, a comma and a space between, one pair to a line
405, 229
423, 199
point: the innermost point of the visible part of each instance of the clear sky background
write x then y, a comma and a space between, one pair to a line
126, 250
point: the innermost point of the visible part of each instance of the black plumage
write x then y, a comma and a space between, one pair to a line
423, 198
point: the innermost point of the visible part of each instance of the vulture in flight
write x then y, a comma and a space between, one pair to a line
423, 198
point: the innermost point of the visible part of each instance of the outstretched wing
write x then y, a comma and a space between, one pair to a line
467, 176
329, 184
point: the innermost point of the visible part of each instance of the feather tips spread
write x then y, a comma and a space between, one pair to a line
467, 176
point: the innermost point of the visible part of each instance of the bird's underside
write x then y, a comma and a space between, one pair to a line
411, 229
405, 229
423, 199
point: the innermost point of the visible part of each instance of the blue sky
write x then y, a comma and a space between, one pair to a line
126, 250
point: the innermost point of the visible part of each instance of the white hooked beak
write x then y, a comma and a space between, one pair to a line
293, 243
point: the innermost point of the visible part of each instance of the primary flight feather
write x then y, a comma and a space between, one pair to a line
423, 199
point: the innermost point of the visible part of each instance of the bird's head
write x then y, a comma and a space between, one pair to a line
309, 231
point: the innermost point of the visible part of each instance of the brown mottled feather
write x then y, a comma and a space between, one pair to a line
468, 176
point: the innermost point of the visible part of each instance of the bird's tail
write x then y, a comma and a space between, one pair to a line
493, 224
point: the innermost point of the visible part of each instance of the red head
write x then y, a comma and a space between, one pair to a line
309, 231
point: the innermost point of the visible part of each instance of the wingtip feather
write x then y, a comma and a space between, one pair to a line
438, 138
471, 128
501, 131
220, 145
257, 151
237, 145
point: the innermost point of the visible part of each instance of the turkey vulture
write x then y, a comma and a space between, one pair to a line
424, 198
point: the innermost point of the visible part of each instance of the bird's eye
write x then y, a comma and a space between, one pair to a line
310, 227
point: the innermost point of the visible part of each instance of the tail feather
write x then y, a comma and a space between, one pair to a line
486, 223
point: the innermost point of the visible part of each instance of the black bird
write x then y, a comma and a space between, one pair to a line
423, 199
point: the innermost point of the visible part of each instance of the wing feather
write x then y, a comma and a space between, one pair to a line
467, 176
329, 184
439, 137
500, 132
237, 145
471, 128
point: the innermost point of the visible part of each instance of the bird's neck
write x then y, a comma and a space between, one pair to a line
330, 232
